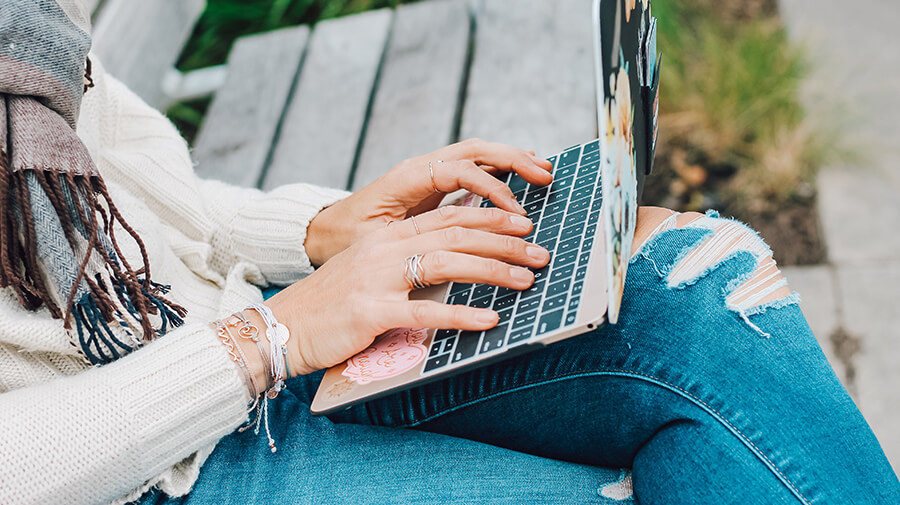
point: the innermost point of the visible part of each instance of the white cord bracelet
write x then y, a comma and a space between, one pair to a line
278, 336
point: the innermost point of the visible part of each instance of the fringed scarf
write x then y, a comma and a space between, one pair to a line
58, 246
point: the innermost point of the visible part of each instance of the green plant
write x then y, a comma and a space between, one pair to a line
731, 120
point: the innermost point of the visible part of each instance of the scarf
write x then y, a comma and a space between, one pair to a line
58, 224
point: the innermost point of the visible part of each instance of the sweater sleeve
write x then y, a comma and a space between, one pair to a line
96, 436
140, 151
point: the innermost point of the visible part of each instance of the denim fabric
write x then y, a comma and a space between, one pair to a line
684, 392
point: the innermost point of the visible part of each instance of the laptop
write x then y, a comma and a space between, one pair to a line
585, 218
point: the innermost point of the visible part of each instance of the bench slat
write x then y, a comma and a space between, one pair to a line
416, 104
235, 139
323, 122
532, 82
139, 41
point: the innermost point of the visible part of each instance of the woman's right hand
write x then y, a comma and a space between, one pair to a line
362, 292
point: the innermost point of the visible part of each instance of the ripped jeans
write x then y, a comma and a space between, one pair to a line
711, 389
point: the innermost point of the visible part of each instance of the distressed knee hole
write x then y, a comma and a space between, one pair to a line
750, 294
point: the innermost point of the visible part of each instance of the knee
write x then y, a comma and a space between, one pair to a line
765, 285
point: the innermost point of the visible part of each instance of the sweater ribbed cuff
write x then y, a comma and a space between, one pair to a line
269, 230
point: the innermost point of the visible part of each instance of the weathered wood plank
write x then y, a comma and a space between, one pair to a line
322, 125
237, 135
532, 81
140, 40
415, 108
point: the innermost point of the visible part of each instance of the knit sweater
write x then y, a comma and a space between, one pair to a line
74, 434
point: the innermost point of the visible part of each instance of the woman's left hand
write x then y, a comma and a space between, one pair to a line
409, 189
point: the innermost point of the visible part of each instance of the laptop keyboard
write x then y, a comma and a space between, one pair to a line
565, 216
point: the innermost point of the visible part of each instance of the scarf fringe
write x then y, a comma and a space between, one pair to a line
88, 218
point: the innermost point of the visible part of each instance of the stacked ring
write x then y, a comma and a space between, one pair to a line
431, 172
414, 273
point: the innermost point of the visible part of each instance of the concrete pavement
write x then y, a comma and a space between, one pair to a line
851, 302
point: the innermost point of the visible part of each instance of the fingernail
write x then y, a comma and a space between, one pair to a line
486, 317
536, 252
517, 205
520, 221
521, 275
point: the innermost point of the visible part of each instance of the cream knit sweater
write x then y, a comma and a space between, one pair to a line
73, 434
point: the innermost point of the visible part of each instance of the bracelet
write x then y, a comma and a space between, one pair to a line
227, 340
248, 331
278, 336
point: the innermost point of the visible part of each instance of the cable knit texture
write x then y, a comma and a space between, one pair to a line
78, 435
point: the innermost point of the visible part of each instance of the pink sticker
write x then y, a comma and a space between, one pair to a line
391, 354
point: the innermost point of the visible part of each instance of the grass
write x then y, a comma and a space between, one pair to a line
731, 120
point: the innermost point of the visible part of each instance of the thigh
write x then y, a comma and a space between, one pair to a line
319, 462
734, 398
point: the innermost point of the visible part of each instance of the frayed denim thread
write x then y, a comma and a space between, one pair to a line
793, 299
704, 231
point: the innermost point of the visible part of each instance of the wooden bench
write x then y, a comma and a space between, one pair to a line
340, 104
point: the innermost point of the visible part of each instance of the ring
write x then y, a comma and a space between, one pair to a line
416, 226
431, 171
413, 272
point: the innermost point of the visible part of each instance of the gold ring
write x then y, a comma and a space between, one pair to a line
431, 171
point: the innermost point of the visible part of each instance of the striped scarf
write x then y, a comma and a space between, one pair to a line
58, 247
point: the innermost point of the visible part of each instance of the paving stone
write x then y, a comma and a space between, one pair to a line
819, 305
854, 57
859, 210
869, 297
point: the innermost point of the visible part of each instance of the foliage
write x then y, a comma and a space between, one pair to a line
732, 126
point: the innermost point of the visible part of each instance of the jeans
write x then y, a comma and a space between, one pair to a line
685, 401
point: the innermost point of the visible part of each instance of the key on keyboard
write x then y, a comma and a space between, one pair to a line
565, 217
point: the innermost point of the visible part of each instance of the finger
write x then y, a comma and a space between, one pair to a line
454, 175
438, 267
486, 219
431, 314
506, 158
479, 243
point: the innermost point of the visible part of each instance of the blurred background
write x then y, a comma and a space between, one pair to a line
781, 113
734, 135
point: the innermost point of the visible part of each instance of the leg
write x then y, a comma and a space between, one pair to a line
319, 462
712, 387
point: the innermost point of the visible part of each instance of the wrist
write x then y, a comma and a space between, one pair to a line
296, 362
257, 366
320, 235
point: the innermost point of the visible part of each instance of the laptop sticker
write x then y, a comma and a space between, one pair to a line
339, 389
619, 211
392, 353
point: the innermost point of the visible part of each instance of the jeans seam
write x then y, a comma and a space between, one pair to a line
640, 376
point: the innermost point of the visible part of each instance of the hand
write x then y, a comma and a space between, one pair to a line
362, 291
407, 190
